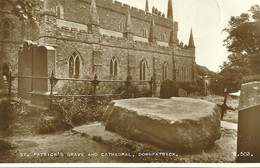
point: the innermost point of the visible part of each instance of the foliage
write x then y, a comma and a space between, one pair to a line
23, 9
243, 40
71, 111
203, 71
48, 124
7, 110
104, 88
229, 79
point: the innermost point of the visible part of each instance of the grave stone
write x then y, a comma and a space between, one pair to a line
248, 137
35, 61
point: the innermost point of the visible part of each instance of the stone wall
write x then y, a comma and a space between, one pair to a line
9, 46
111, 14
68, 33
18, 31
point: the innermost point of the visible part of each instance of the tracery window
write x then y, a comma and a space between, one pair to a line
59, 11
113, 67
143, 68
74, 65
165, 71
184, 72
122, 26
145, 33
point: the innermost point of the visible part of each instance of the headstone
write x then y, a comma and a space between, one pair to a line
35, 61
248, 137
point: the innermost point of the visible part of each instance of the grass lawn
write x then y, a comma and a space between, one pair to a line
230, 116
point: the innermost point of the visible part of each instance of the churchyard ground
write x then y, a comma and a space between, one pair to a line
30, 146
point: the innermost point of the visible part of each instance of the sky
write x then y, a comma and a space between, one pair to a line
207, 18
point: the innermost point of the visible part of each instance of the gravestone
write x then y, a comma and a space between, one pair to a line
248, 137
35, 61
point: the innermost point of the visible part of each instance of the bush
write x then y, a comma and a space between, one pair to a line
168, 89
47, 124
71, 111
7, 110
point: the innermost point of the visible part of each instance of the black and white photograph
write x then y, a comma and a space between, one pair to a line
173, 82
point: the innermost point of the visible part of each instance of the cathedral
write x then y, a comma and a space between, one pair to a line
103, 37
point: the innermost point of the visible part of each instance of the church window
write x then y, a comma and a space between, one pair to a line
59, 11
143, 67
165, 71
113, 67
184, 72
145, 34
162, 36
6, 29
74, 65
122, 26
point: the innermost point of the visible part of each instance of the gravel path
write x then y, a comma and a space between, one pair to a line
228, 125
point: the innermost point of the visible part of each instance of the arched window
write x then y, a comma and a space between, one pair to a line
74, 65
145, 33
59, 11
122, 26
184, 72
7, 30
143, 67
113, 67
165, 71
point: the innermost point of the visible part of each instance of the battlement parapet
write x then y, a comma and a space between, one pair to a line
184, 51
81, 35
136, 13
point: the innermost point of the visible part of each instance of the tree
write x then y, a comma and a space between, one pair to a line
202, 74
23, 9
243, 40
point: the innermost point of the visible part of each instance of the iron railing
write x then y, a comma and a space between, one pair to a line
94, 82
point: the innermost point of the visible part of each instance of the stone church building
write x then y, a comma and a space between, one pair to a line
103, 37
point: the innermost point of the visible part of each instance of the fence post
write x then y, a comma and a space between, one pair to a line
53, 81
9, 81
95, 83
127, 84
151, 86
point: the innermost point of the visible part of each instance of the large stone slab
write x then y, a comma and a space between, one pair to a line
177, 124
